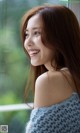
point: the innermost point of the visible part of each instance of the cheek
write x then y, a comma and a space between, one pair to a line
25, 46
38, 40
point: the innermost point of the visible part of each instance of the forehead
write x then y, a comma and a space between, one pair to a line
34, 21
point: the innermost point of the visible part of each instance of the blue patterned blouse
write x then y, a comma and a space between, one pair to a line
63, 117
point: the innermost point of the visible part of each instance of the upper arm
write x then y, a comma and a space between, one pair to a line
41, 91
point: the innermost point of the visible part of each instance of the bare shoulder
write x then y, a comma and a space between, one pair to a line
50, 89
41, 91
42, 81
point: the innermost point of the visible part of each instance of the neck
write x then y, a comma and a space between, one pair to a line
50, 66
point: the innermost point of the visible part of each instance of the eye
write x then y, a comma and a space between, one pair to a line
37, 33
26, 35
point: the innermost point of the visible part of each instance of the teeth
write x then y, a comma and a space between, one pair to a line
32, 52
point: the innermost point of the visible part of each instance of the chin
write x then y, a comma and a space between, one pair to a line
35, 64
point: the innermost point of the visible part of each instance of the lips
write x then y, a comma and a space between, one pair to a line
33, 52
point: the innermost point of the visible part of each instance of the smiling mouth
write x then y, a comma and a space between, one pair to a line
33, 52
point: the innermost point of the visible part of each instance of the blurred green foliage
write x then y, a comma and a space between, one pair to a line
16, 121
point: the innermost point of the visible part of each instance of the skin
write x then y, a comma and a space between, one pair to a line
51, 87
37, 51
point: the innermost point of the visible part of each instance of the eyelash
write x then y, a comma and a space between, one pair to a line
34, 33
26, 34
37, 32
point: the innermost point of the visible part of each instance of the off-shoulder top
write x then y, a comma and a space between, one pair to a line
63, 117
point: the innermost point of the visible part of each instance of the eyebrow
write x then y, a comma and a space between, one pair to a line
34, 28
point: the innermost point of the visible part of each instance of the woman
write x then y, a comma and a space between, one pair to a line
51, 39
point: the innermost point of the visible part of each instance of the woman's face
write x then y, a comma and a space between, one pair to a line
39, 54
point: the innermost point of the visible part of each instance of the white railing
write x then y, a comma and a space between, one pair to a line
14, 107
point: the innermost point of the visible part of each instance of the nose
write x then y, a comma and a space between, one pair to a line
28, 42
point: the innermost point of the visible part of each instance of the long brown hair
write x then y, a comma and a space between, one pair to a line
62, 33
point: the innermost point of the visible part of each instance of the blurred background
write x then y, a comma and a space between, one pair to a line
14, 65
